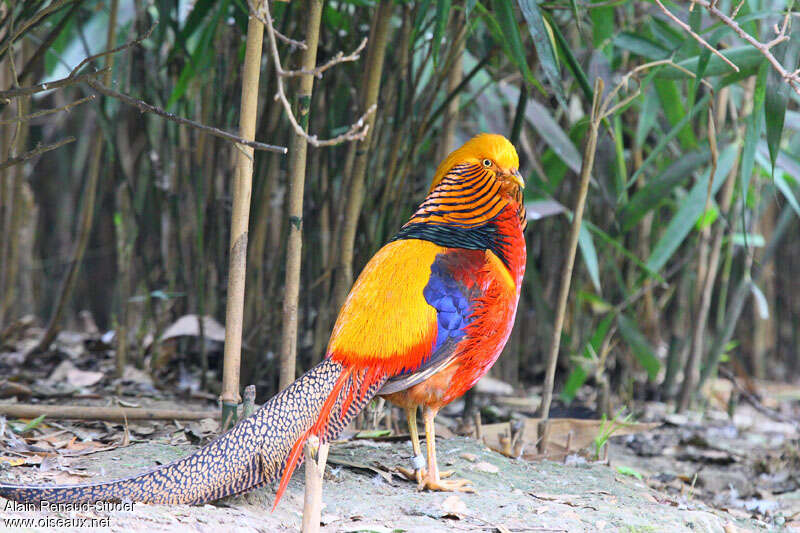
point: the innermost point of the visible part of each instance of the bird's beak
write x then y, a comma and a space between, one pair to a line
516, 177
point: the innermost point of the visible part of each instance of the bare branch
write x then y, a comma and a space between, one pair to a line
356, 132
5, 96
696, 37
39, 150
144, 107
55, 6
119, 48
46, 112
791, 77
335, 60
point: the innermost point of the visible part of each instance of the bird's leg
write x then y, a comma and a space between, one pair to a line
433, 480
419, 461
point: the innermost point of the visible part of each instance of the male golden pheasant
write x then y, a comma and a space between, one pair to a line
427, 317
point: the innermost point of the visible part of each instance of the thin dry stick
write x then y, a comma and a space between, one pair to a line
242, 189
104, 53
316, 456
89, 412
791, 77
39, 150
55, 6
6, 96
704, 275
43, 113
696, 37
356, 132
148, 108
297, 176
566, 276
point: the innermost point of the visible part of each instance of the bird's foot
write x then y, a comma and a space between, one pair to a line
449, 485
412, 475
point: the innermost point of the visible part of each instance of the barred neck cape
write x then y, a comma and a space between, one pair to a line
461, 211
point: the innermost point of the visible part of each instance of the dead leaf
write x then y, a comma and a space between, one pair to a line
471, 457
189, 325
577, 432
66, 371
454, 506
485, 466
12, 461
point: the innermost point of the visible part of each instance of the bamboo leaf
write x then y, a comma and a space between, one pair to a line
753, 130
744, 57
777, 95
589, 253
638, 344
690, 210
674, 111
647, 116
577, 377
510, 31
641, 46
657, 190
572, 62
442, 14
545, 46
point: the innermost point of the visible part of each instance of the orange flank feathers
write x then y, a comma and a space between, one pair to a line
385, 322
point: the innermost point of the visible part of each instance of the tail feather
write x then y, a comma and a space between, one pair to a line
256, 451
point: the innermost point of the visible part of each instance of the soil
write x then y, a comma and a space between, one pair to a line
512, 495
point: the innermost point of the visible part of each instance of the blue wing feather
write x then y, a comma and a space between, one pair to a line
452, 300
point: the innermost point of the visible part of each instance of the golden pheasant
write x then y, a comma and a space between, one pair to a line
427, 317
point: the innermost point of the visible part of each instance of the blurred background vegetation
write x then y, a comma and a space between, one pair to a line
689, 252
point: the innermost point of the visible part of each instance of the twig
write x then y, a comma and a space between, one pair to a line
357, 130
566, 274
120, 48
262, 15
55, 6
46, 112
755, 402
148, 108
335, 60
696, 37
39, 150
793, 77
47, 86
89, 412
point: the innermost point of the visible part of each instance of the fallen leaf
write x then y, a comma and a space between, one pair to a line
455, 506
66, 371
471, 457
12, 461
485, 466
189, 325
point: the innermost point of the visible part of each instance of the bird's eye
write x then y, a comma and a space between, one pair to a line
487, 163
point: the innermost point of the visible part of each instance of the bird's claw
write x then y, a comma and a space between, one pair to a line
412, 475
450, 485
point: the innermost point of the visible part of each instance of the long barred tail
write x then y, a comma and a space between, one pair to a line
256, 451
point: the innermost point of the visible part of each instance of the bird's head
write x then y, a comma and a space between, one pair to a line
493, 152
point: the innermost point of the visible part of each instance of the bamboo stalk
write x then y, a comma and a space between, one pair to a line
316, 455
692, 378
113, 414
298, 150
370, 90
242, 188
566, 273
